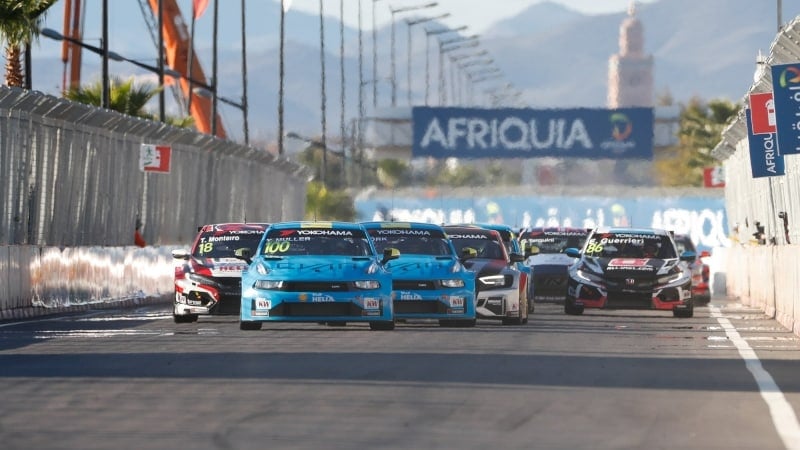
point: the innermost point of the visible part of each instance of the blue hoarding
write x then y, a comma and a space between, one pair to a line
701, 217
786, 94
764, 158
529, 133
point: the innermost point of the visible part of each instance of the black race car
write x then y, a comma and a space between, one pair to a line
633, 268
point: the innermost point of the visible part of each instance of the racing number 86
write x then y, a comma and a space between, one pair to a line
277, 247
594, 247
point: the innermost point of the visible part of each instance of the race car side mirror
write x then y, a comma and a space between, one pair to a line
390, 254
244, 254
688, 256
573, 252
468, 253
180, 253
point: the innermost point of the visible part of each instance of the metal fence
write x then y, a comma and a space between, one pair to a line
71, 177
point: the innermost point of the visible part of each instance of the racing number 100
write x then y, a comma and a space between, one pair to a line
277, 246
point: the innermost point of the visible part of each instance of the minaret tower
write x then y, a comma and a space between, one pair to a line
630, 72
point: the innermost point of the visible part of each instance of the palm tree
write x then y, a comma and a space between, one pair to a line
19, 26
125, 97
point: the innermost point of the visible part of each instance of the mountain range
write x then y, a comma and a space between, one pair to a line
552, 56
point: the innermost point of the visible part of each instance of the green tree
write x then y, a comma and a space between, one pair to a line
325, 204
700, 130
126, 97
19, 26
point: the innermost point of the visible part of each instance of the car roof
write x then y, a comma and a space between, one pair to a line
394, 225
557, 230
231, 226
631, 230
505, 231
314, 224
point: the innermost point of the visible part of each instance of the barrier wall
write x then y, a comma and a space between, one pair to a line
73, 192
764, 273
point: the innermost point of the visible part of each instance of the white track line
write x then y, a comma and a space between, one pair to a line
783, 416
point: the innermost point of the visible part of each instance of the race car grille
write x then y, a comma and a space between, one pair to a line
629, 283
316, 286
329, 309
628, 300
550, 285
419, 307
228, 305
413, 285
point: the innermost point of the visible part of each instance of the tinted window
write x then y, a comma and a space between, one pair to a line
630, 245
552, 242
327, 242
223, 245
486, 248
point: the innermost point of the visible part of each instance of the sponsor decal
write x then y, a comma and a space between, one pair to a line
628, 262
456, 302
468, 236
262, 303
302, 297
399, 232
321, 298
408, 295
371, 303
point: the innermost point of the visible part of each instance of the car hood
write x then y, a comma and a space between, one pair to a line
317, 266
630, 267
549, 259
483, 267
419, 266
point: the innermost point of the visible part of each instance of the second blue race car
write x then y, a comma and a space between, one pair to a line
428, 280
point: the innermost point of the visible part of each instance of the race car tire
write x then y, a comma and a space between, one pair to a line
382, 326
571, 308
249, 326
187, 318
684, 313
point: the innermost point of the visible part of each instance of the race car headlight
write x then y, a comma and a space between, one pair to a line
588, 276
493, 280
262, 269
670, 278
453, 283
367, 284
201, 279
268, 284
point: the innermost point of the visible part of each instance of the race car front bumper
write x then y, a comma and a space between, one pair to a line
498, 304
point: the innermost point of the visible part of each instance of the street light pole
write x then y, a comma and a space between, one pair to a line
161, 108
393, 45
104, 97
374, 58
410, 24
428, 34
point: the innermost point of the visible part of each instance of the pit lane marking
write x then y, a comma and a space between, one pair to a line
783, 416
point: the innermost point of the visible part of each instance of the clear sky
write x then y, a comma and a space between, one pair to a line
477, 14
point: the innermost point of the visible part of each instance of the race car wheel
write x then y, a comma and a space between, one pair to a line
571, 308
249, 326
684, 313
382, 326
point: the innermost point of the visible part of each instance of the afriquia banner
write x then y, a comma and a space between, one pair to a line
786, 94
764, 158
625, 133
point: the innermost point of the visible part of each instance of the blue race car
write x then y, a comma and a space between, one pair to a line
428, 280
326, 272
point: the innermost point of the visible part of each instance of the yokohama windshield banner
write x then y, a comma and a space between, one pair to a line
625, 133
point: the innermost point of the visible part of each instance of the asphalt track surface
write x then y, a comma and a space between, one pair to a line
611, 379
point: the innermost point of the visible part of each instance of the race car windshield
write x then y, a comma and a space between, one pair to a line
211, 245
630, 246
413, 245
317, 246
554, 243
486, 248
